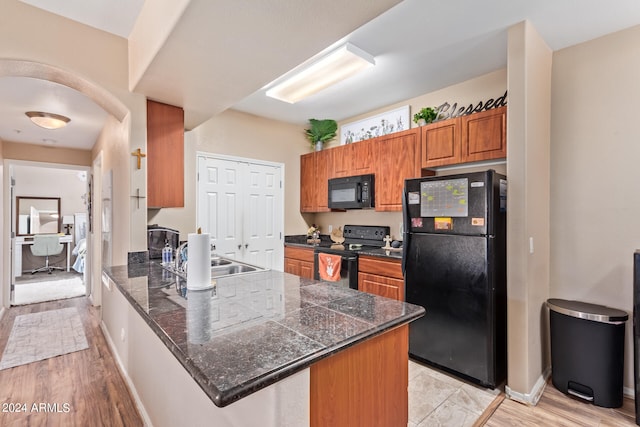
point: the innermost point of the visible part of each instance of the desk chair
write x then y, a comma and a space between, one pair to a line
45, 245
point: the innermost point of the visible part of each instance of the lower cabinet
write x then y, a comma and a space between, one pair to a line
298, 261
381, 276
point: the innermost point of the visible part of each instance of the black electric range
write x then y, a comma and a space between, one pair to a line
356, 238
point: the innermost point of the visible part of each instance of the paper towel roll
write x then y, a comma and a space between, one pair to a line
199, 258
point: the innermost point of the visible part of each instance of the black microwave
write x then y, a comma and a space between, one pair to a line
353, 192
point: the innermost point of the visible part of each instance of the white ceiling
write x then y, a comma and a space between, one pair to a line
222, 54
21, 94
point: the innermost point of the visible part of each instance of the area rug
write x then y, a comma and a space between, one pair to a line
29, 293
39, 336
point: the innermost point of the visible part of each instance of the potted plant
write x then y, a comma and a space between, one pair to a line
321, 131
425, 115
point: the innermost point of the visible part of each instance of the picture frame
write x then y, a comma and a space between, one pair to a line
391, 121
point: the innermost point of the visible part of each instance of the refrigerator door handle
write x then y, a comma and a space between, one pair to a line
406, 235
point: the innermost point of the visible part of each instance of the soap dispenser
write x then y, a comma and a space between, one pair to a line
167, 253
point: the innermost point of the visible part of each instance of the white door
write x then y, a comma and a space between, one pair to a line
240, 203
263, 216
220, 204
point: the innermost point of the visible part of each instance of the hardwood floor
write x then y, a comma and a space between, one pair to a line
558, 409
84, 388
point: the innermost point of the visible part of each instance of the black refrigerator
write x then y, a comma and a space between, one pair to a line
454, 264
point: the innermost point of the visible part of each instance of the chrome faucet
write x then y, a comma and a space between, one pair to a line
181, 258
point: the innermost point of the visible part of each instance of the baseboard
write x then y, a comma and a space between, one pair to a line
125, 375
534, 396
629, 392
536, 393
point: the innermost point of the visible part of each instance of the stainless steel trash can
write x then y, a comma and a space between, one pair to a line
587, 350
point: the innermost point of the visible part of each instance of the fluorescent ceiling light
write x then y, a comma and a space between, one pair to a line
337, 65
48, 120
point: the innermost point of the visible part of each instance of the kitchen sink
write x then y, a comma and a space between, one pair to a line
227, 270
221, 267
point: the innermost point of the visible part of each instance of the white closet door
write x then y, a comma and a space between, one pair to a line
263, 216
220, 204
241, 204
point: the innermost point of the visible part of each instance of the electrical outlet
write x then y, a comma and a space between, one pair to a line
401, 228
330, 228
123, 335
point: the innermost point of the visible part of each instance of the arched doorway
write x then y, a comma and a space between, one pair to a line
109, 103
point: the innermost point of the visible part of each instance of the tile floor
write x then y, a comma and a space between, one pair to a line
437, 399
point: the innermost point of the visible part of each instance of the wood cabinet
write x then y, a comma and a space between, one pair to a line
165, 155
441, 143
381, 276
314, 177
403, 155
344, 393
353, 159
298, 261
471, 138
398, 157
484, 135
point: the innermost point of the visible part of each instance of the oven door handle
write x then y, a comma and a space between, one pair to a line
349, 258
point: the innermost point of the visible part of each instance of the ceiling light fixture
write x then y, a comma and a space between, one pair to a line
48, 120
318, 74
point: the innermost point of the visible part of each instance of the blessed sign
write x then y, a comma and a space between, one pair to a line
448, 111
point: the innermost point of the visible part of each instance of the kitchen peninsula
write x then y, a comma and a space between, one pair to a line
265, 348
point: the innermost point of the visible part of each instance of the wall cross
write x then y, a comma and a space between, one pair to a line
139, 154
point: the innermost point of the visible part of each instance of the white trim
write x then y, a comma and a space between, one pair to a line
629, 392
534, 396
237, 159
536, 393
143, 412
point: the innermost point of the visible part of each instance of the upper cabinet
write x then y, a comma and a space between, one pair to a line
314, 178
403, 155
484, 135
472, 138
441, 143
165, 155
353, 159
398, 156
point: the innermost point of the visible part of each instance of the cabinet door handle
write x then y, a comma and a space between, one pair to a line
246, 245
239, 246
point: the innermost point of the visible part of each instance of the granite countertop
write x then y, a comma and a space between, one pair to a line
254, 329
325, 242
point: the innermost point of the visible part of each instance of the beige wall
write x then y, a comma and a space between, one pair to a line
46, 154
113, 143
529, 76
595, 148
238, 134
47, 182
28, 33
5, 218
